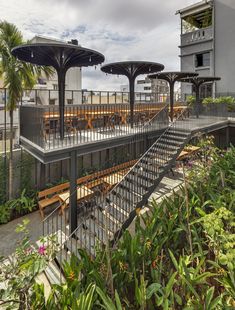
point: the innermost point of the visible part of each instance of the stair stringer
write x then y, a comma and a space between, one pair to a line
146, 197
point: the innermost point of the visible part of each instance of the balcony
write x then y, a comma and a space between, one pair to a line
197, 36
88, 123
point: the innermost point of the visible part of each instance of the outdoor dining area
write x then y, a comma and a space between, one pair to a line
97, 184
89, 122
48, 128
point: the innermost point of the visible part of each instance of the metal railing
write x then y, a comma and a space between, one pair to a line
83, 123
125, 196
101, 218
51, 97
55, 222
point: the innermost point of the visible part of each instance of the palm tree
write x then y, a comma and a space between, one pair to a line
17, 76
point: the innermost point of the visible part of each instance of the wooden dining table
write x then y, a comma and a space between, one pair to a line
82, 193
113, 179
92, 114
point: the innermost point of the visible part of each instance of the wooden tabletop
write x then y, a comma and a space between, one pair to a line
113, 179
100, 112
82, 192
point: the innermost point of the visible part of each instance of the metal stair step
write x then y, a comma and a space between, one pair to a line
86, 239
160, 154
174, 137
170, 141
134, 187
179, 132
165, 145
138, 184
160, 160
149, 167
126, 194
154, 161
151, 177
115, 210
145, 173
165, 152
105, 220
97, 230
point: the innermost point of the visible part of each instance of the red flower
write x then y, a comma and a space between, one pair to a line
154, 264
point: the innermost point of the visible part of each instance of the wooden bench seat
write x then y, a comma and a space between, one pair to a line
50, 196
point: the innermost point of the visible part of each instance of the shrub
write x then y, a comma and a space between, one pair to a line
17, 207
208, 100
230, 101
5, 213
190, 100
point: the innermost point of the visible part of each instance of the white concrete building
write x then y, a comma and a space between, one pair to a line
146, 86
73, 81
207, 43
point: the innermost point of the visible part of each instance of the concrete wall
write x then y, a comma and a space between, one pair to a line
187, 56
221, 48
225, 44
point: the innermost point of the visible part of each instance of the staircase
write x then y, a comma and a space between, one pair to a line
114, 212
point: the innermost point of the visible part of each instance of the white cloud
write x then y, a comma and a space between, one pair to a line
120, 29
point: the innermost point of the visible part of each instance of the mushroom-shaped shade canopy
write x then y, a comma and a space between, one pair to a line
57, 55
172, 76
132, 69
198, 80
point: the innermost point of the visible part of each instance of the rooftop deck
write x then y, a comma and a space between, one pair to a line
90, 127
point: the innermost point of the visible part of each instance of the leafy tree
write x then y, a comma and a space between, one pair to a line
16, 75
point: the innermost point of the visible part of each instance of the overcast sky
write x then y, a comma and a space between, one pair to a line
120, 29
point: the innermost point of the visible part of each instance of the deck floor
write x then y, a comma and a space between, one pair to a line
98, 134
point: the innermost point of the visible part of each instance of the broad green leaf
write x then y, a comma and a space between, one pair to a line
209, 296
151, 289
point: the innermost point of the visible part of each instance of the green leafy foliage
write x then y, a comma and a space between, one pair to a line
227, 100
190, 100
17, 207
180, 256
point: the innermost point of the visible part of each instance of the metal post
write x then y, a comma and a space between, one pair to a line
132, 99
61, 83
171, 84
73, 191
197, 107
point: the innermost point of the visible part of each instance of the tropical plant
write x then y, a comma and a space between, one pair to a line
19, 272
180, 254
17, 207
16, 75
227, 100
190, 100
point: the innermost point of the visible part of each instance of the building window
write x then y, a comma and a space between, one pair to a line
202, 60
147, 88
55, 86
52, 102
69, 101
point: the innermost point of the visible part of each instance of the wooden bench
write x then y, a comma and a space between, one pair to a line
50, 196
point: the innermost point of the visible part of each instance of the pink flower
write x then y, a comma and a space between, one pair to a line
41, 250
